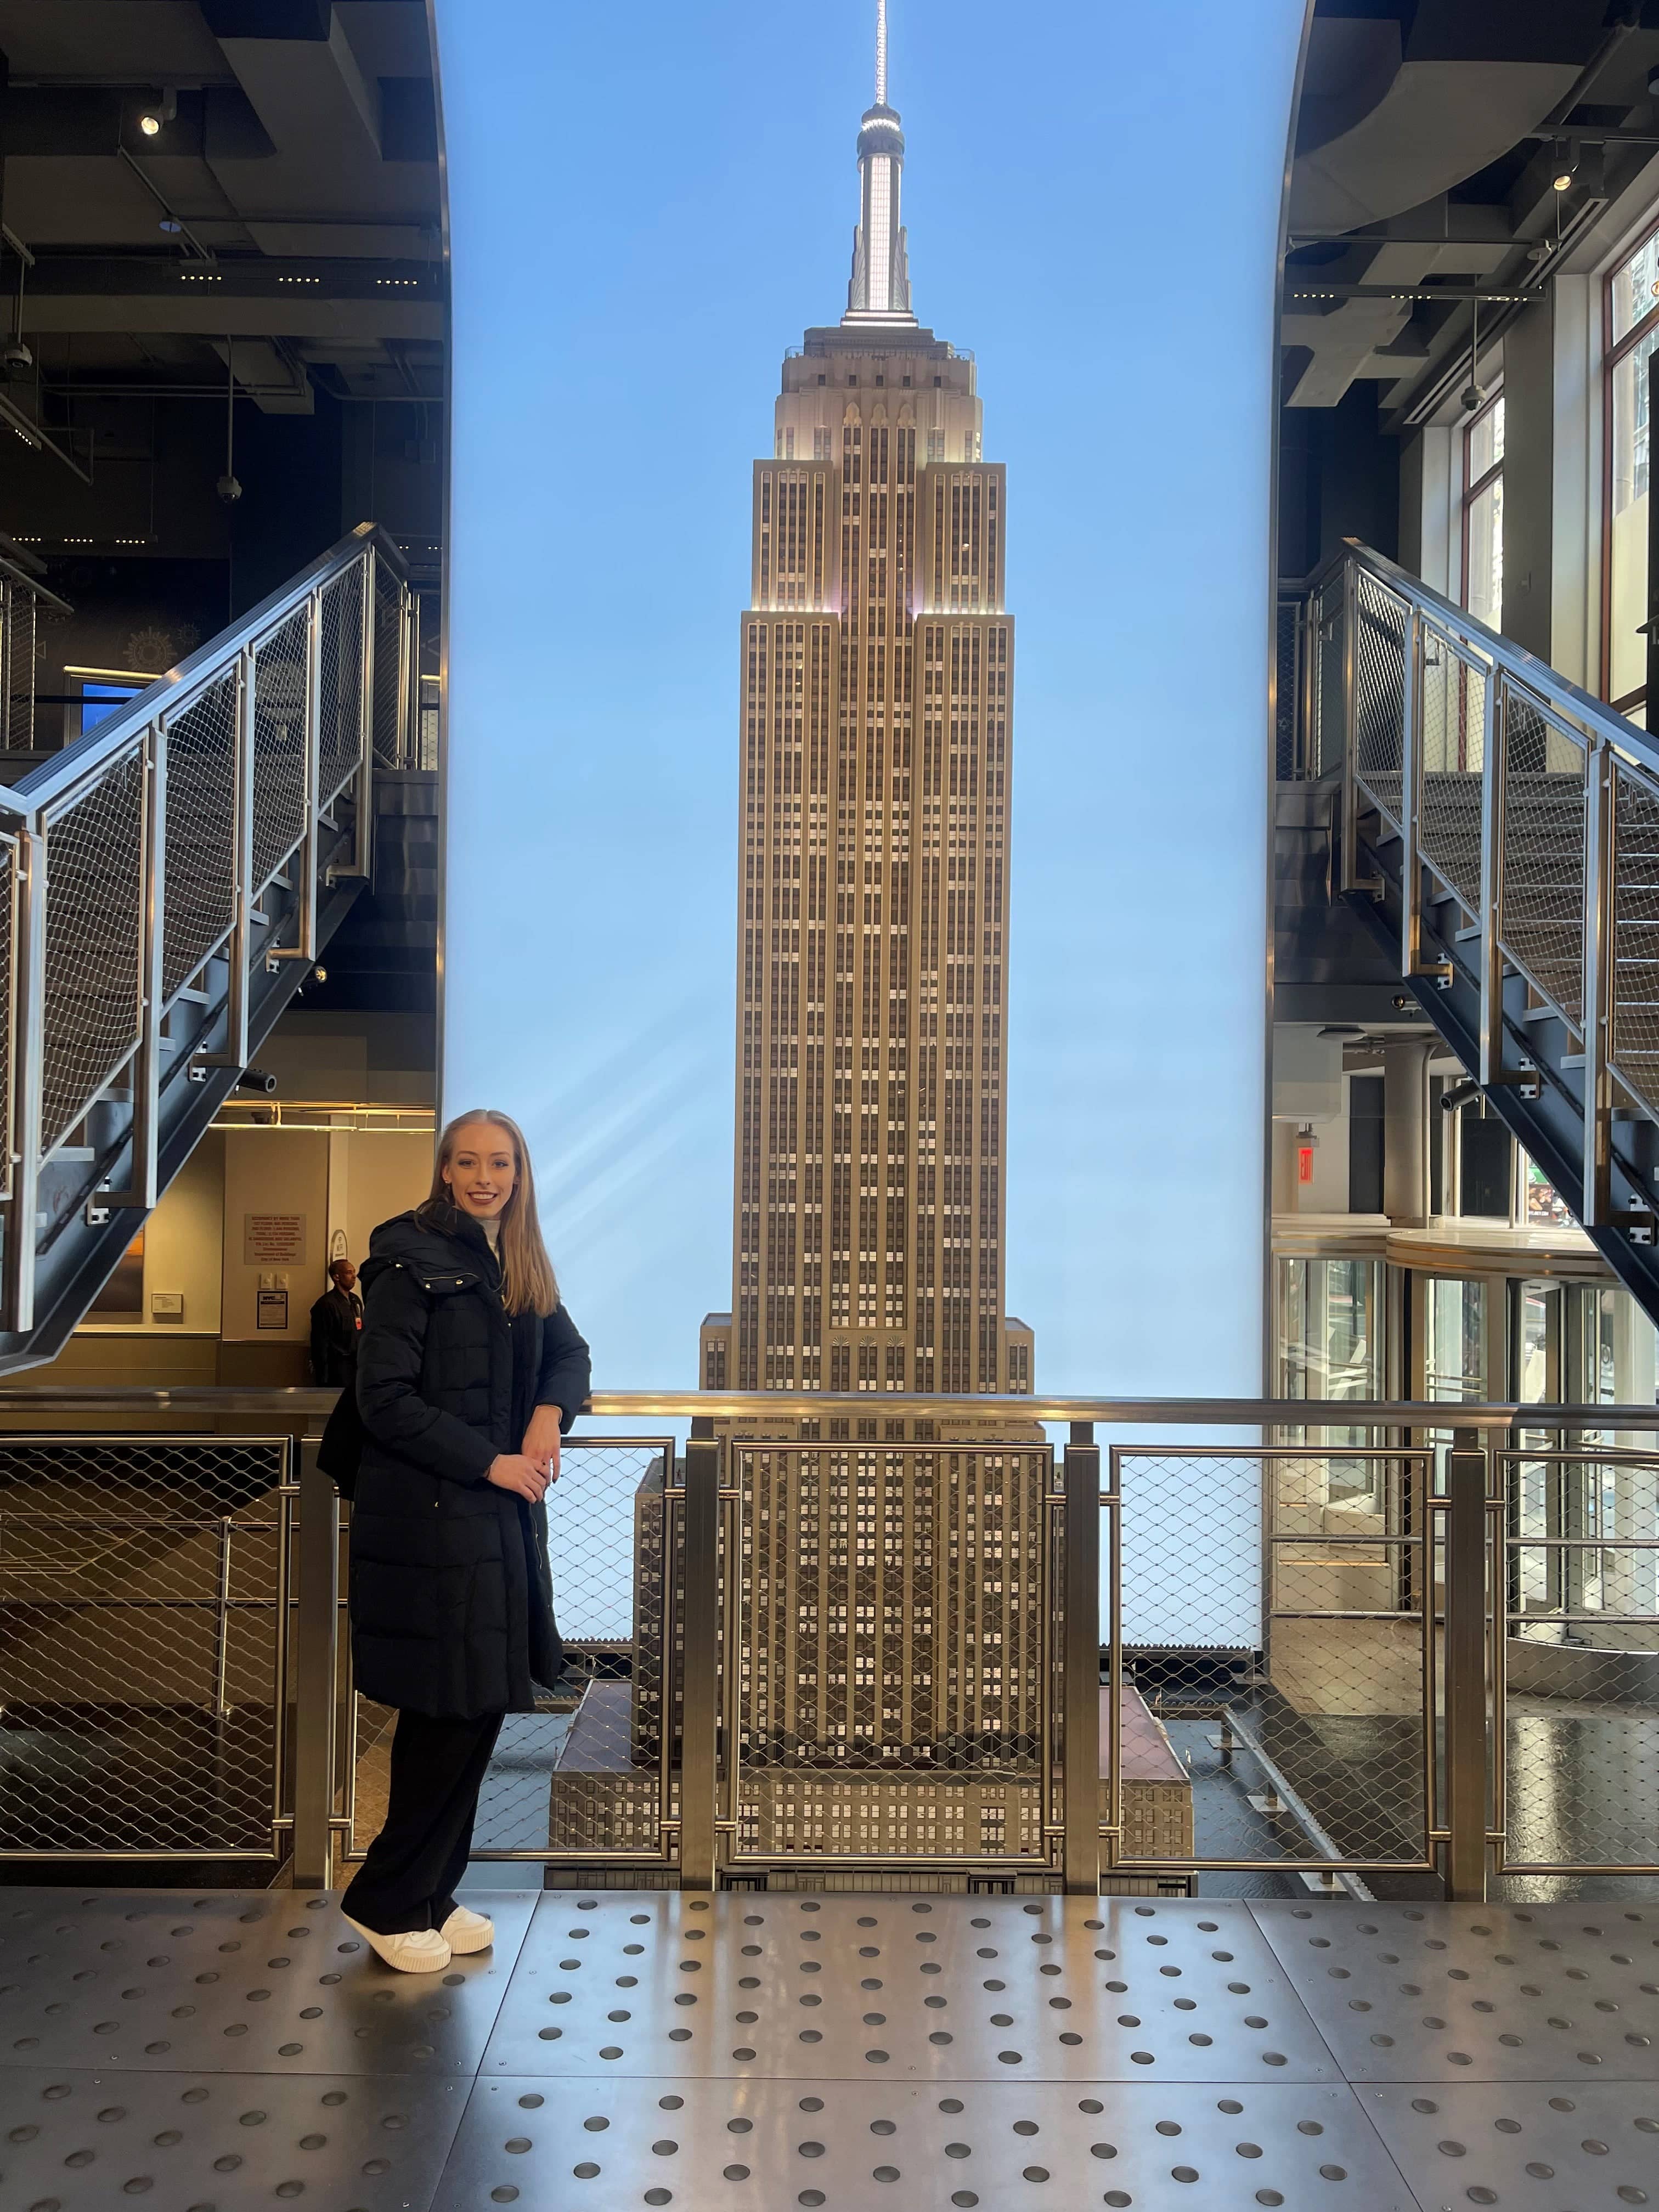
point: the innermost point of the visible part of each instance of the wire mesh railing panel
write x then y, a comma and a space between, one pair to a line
93, 942
200, 881
279, 745
1454, 748
22, 613
1543, 827
1326, 696
340, 683
888, 1683
8, 895
1289, 736
1379, 704
1272, 1684
387, 718
428, 630
1636, 932
140, 1669
1581, 1662
582, 1776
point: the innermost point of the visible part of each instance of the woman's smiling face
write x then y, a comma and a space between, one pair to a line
481, 1170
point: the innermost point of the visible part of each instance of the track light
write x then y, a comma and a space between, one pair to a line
16, 355
1564, 171
228, 489
154, 118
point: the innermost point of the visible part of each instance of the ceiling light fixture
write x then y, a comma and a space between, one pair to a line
154, 117
1564, 170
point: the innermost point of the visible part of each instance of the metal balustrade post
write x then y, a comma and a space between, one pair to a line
29, 1075
314, 1674
700, 1622
1351, 879
304, 863
143, 1183
1494, 729
239, 944
1080, 1667
1465, 1667
1411, 794
1600, 833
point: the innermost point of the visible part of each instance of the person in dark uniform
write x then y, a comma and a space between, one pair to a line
472, 1370
337, 1320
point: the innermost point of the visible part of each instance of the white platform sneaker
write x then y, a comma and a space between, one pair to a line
417, 1951
465, 1931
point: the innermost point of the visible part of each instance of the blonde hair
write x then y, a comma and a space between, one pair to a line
528, 1283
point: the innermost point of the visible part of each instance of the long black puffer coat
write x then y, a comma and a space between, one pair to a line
450, 1592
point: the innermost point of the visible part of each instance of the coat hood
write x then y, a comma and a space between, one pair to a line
432, 1240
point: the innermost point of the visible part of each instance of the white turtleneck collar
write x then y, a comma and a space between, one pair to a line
491, 1225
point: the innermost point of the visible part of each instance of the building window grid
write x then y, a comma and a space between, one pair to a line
1629, 337
1483, 513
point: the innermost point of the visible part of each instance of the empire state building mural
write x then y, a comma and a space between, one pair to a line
876, 673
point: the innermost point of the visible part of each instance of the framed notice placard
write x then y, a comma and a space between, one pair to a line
274, 1240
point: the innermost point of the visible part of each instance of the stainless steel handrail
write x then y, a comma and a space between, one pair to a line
64, 771
1534, 806
988, 1410
155, 874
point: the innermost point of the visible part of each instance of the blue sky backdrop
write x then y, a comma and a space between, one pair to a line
648, 205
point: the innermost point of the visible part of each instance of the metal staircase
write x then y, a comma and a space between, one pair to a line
1498, 830
165, 884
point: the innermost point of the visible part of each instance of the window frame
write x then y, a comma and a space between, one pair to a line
1612, 355
1473, 490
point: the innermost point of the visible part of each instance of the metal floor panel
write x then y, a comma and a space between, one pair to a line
83, 2141
1581, 2143
942, 1989
235, 1982
1476, 1992
601, 2146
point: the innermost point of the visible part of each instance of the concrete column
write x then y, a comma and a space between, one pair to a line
1406, 1131
1529, 477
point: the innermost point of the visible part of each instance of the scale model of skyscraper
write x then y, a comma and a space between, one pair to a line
876, 670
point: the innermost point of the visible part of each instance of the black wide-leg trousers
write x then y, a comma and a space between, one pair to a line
408, 1881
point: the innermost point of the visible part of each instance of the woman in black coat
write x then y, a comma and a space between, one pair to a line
469, 1370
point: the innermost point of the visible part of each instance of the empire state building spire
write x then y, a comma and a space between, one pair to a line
880, 287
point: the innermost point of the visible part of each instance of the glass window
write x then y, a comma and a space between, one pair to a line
1483, 515
1631, 324
1330, 1346
1454, 1358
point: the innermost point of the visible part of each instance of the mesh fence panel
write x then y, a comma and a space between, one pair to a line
387, 715
1581, 1661
892, 1694
94, 932
138, 1645
1636, 933
20, 611
8, 1002
429, 619
1454, 748
201, 833
582, 1775
279, 746
1542, 815
1288, 761
340, 726
1379, 692
1330, 706
1299, 1736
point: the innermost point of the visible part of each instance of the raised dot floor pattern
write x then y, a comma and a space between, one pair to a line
945, 1989
1487, 1992
616, 2049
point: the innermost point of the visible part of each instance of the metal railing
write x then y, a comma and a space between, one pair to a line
153, 874
852, 1657
1534, 806
22, 599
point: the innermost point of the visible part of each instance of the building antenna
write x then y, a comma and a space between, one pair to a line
881, 53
